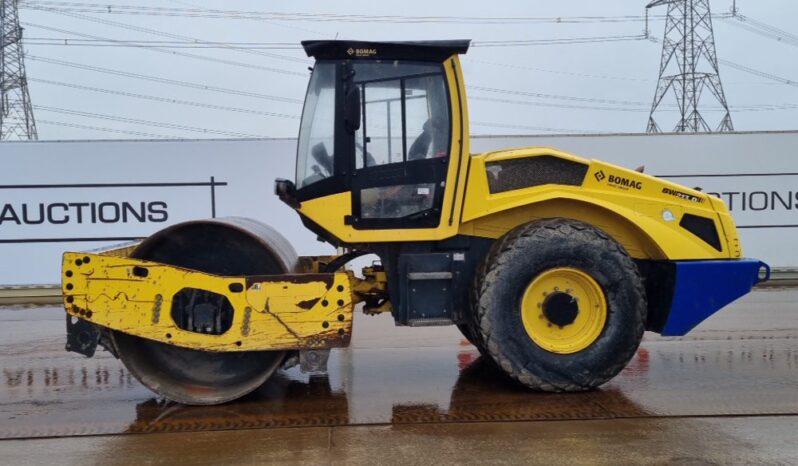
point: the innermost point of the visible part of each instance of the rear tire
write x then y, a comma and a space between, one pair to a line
560, 305
472, 335
470, 328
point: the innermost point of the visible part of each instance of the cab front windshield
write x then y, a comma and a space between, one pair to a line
317, 129
404, 116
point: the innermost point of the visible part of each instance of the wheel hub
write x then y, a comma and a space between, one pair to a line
560, 308
564, 310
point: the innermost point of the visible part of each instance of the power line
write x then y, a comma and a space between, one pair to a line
172, 82
283, 46
247, 46
100, 42
765, 26
297, 101
778, 34
212, 44
165, 99
761, 107
740, 108
759, 73
66, 41
551, 105
171, 52
755, 72
783, 38
626, 103
575, 74
561, 41
534, 128
559, 72
764, 108
153, 43
31, 6
557, 97
158, 124
184, 39
105, 130
322, 17
277, 24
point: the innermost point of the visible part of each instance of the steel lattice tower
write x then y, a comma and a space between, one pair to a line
16, 112
689, 66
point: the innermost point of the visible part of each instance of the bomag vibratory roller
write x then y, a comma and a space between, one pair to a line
552, 265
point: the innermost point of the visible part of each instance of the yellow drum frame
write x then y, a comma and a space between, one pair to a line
300, 311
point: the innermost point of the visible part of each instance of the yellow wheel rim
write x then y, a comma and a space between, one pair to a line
564, 310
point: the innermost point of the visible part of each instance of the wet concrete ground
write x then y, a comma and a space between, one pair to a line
726, 393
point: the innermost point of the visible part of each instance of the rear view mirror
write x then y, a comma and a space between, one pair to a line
352, 109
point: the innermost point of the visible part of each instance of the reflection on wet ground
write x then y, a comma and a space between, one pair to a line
398, 376
728, 393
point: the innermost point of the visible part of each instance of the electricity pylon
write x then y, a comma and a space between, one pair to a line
689, 67
16, 111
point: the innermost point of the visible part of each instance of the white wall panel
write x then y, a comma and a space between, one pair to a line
57, 196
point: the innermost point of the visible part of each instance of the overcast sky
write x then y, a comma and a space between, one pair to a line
572, 75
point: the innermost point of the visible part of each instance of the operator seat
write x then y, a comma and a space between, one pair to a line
421, 146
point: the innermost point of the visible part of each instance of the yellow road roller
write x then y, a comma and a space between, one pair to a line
551, 264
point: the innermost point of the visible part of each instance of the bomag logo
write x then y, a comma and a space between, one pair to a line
624, 183
361, 52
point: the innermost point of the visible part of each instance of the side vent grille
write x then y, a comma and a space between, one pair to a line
702, 227
511, 174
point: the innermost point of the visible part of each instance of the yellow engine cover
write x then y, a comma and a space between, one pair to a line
640, 211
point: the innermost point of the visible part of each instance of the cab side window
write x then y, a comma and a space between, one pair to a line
403, 119
426, 117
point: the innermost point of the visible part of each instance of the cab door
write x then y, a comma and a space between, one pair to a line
402, 145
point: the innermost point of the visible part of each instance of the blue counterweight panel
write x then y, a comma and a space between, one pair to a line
704, 287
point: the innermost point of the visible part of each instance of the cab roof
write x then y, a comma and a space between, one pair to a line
429, 50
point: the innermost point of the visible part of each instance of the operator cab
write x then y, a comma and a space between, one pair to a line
378, 123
